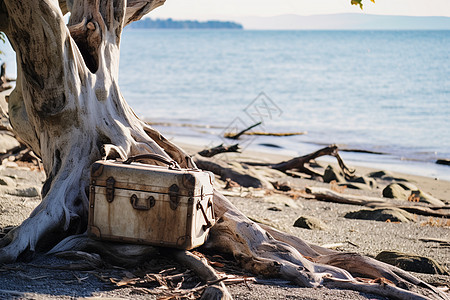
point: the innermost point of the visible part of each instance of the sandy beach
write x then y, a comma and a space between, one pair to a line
35, 280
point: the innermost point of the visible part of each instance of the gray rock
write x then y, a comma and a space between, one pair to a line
411, 262
310, 223
395, 191
443, 162
365, 180
356, 186
386, 175
380, 174
5, 180
25, 192
381, 214
7, 143
333, 174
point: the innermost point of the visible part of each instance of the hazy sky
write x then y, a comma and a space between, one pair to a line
208, 9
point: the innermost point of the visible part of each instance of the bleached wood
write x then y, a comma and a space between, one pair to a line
68, 108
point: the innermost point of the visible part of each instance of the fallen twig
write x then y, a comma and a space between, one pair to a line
275, 133
235, 136
219, 149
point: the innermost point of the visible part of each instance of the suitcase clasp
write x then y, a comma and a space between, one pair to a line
208, 222
173, 196
110, 189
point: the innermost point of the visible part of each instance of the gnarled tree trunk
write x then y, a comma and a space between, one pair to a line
68, 108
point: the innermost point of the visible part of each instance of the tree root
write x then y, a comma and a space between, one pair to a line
266, 251
206, 273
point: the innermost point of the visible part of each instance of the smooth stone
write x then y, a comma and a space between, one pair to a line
381, 214
25, 192
397, 179
332, 174
380, 174
411, 262
311, 223
385, 175
356, 186
395, 191
365, 180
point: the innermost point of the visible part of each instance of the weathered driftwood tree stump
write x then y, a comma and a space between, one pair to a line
68, 108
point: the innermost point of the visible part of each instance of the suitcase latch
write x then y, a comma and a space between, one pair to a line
110, 189
208, 222
173, 196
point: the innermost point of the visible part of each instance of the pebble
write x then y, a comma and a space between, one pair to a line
311, 223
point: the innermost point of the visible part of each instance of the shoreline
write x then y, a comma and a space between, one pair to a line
203, 136
438, 188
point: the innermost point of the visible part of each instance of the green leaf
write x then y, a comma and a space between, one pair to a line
358, 2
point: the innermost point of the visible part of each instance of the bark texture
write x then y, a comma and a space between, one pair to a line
68, 108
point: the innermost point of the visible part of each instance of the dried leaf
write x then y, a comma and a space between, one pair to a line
216, 264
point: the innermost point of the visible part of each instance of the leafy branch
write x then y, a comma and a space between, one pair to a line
359, 2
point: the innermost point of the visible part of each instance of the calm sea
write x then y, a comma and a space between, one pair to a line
384, 91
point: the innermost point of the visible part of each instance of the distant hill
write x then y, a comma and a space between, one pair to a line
346, 22
175, 24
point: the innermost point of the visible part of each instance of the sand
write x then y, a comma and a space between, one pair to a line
366, 237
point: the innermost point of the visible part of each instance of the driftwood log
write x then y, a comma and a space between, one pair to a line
328, 195
246, 177
68, 108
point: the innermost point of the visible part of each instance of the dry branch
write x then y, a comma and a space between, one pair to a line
219, 149
226, 172
235, 136
328, 195
263, 133
299, 163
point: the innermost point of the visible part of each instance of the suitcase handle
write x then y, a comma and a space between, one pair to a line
171, 163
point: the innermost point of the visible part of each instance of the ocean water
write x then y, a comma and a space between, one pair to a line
383, 91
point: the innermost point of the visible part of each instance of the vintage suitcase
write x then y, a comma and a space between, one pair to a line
148, 204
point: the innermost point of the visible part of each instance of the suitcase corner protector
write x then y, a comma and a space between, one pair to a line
94, 232
96, 169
